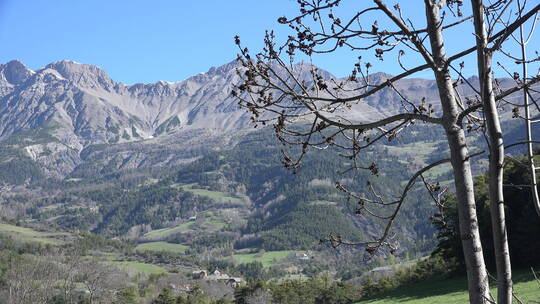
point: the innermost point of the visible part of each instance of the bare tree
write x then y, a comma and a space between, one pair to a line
485, 22
276, 91
31, 279
56, 273
100, 280
496, 153
69, 260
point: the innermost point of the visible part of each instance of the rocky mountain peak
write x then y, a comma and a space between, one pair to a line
380, 77
224, 69
87, 107
15, 72
86, 75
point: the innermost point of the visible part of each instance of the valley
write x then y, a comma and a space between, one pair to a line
171, 178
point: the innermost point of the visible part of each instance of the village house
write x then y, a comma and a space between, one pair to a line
199, 274
224, 278
234, 282
302, 256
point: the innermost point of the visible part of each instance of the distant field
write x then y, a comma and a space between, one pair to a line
30, 235
267, 258
213, 222
140, 267
439, 170
215, 195
162, 246
163, 233
420, 150
451, 291
207, 221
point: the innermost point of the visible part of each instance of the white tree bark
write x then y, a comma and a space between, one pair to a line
468, 223
496, 157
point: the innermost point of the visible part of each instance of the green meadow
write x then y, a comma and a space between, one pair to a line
267, 258
162, 246
453, 291
24, 234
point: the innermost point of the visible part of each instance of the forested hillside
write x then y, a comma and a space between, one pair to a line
180, 196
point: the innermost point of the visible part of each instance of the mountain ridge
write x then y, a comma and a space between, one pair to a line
76, 106
81, 105
81, 151
84, 101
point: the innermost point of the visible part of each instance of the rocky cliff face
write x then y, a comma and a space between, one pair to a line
82, 105
77, 105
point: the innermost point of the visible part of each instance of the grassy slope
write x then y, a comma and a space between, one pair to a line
208, 222
162, 246
267, 259
140, 267
215, 195
163, 233
450, 291
29, 235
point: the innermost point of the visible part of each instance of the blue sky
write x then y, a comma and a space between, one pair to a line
134, 41
146, 41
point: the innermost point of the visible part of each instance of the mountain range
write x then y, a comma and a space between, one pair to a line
79, 105
79, 150
76, 106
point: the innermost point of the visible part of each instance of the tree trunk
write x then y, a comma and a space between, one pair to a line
496, 158
468, 222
